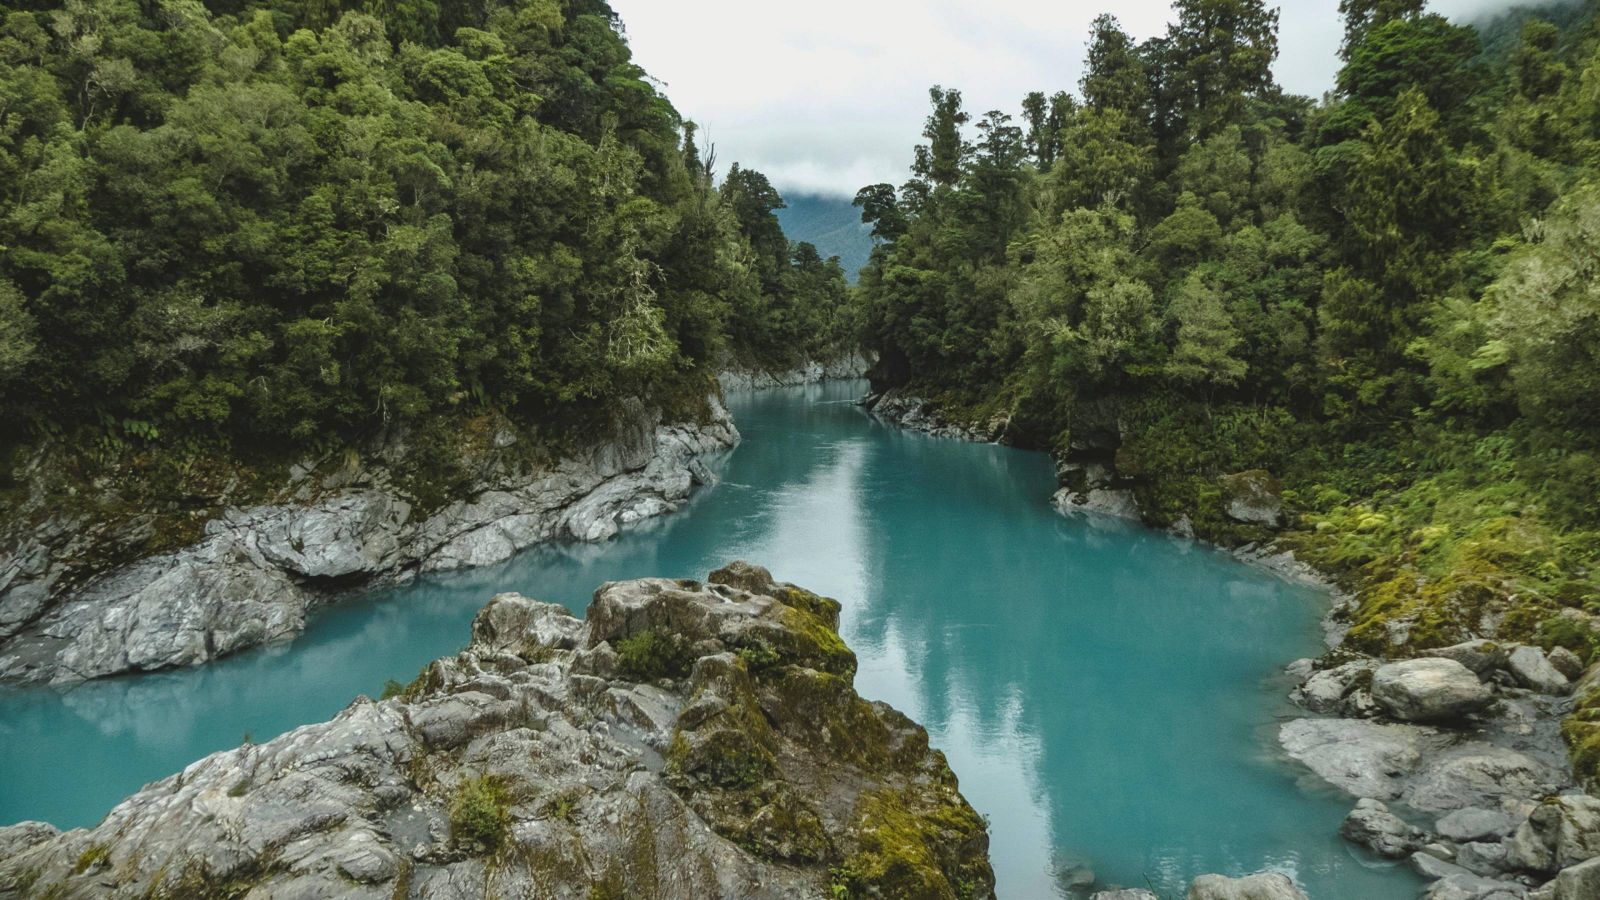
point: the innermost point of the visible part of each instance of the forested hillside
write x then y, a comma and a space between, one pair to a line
1388, 299
833, 225
250, 225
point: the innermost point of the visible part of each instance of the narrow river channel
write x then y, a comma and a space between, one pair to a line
1108, 696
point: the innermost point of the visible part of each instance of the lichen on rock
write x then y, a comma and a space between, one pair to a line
533, 764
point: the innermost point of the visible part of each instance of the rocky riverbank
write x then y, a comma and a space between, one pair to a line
1456, 760
846, 366
686, 740
258, 570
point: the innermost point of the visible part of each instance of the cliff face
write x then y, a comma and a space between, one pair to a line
687, 741
257, 570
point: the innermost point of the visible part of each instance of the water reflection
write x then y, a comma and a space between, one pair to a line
1106, 695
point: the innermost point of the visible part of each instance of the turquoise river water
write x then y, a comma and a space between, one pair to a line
1108, 696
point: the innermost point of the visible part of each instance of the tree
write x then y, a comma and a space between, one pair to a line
1206, 337
1222, 52
1362, 16
1114, 76
941, 160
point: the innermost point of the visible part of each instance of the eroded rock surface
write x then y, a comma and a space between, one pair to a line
257, 571
686, 741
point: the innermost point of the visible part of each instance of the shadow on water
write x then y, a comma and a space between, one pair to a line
1107, 695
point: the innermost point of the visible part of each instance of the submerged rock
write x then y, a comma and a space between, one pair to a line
1261, 886
1431, 689
1365, 759
729, 756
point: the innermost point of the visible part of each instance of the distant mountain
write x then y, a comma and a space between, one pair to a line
832, 224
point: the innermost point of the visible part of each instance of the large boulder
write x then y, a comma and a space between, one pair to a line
1261, 886
1372, 825
1253, 498
1561, 832
1432, 689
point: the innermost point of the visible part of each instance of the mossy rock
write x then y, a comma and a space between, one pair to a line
926, 843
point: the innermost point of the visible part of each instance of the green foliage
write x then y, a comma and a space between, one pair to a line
1386, 299
480, 817
274, 223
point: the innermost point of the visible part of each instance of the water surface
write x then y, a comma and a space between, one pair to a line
1108, 696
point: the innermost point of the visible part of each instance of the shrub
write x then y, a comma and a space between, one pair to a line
480, 815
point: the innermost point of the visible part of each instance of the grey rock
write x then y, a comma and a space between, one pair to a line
1429, 690
1476, 774
1253, 498
253, 576
1372, 825
1481, 656
1566, 662
843, 367
1261, 886
1364, 759
1475, 824
1112, 503
1329, 692
1432, 867
1124, 894
1473, 887
1532, 670
1482, 858
1579, 882
1560, 833
14, 839
919, 414
587, 768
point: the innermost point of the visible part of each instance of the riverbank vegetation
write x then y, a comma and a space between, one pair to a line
1385, 297
267, 225
241, 234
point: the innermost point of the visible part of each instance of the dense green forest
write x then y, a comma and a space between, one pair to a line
1387, 298
266, 224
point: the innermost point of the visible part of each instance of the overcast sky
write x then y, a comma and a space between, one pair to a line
829, 95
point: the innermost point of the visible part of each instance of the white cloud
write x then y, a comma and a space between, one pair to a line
829, 95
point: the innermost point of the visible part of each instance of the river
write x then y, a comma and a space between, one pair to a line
1108, 696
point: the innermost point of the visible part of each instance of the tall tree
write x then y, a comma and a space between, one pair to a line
1223, 52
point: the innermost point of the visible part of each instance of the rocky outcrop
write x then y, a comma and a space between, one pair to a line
920, 414
257, 571
686, 741
1482, 796
847, 366
1093, 489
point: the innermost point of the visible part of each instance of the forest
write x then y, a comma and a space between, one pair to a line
1385, 297
258, 226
